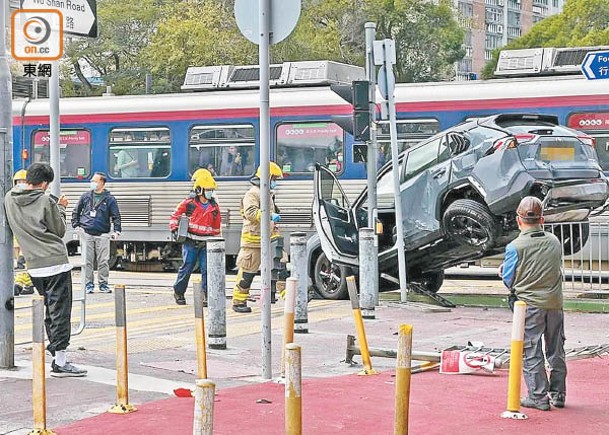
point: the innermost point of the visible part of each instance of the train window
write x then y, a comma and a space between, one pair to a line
226, 150
140, 152
74, 151
595, 124
410, 132
301, 145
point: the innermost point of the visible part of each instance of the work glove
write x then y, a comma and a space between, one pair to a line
512, 299
275, 217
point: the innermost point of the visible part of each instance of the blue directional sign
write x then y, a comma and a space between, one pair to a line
596, 65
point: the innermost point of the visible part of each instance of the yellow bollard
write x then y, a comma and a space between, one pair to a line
359, 327
293, 390
402, 380
515, 374
122, 405
288, 317
200, 329
39, 393
204, 407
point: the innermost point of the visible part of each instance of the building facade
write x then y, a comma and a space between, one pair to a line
491, 24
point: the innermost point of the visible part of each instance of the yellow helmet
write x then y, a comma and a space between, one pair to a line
203, 180
19, 175
274, 171
196, 174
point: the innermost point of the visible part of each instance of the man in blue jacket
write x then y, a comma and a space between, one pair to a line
95, 211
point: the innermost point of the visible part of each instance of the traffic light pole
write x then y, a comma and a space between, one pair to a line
387, 86
372, 145
372, 150
7, 319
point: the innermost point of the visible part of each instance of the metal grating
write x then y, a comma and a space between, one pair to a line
135, 210
571, 57
199, 79
308, 74
253, 74
23, 87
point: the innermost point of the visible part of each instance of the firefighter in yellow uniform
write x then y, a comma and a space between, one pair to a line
249, 257
23, 281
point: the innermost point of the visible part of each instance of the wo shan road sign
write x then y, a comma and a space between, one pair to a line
596, 65
79, 16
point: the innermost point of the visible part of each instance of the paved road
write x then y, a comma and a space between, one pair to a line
162, 346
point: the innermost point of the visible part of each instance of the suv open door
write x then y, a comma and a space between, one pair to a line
334, 219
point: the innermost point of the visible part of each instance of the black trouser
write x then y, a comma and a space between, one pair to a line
57, 292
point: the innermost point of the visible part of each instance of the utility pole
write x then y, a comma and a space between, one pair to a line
265, 195
372, 152
7, 319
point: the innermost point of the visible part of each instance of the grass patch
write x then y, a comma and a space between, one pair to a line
500, 301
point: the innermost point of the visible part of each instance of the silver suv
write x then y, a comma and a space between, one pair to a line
459, 191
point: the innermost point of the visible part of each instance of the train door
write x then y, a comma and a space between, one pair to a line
595, 124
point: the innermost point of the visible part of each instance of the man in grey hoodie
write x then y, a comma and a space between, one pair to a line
39, 223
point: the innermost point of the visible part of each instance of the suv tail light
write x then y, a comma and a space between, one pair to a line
587, 140
505, 143
525, 138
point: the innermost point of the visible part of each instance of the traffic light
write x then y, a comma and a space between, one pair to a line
356, 94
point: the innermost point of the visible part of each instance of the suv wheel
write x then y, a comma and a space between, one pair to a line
431, 281
471, 223
330, 279
572, 236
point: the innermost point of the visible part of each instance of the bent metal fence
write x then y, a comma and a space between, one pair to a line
585, 261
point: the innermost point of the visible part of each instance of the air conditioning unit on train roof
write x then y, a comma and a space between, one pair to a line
287, 74
542, 61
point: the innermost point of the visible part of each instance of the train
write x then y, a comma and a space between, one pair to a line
171, 135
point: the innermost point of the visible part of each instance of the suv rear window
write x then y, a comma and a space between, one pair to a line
556, 149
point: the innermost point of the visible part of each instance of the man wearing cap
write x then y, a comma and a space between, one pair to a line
531, 270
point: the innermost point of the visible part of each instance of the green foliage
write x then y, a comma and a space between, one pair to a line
165, 38
582, 23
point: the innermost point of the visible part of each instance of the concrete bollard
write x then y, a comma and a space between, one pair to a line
298, 260
288, 318
39, 392
515, 372
203, 423
216, 294
368, 272
359, 327
122, 405
402, 380
199, 329
293, 390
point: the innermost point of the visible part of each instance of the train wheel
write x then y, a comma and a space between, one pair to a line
330, 279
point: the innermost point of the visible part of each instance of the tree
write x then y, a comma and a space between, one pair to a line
428, 38
582, 23
125, 29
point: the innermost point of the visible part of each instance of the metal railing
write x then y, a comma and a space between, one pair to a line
585, 262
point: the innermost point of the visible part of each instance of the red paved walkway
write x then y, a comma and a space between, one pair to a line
440, 404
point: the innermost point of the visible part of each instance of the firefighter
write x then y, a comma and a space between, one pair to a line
249, 257
23, 281
204, 220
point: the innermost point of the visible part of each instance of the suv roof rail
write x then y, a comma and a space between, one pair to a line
542, 61
506, 119
287, 74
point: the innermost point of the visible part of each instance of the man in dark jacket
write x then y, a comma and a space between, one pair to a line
95, 211
39, 223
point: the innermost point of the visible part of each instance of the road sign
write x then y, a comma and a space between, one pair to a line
284, 17
79, 16
596, 65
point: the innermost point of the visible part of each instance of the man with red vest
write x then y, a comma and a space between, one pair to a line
204, 220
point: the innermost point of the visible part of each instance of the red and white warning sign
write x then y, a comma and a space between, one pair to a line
466, 361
